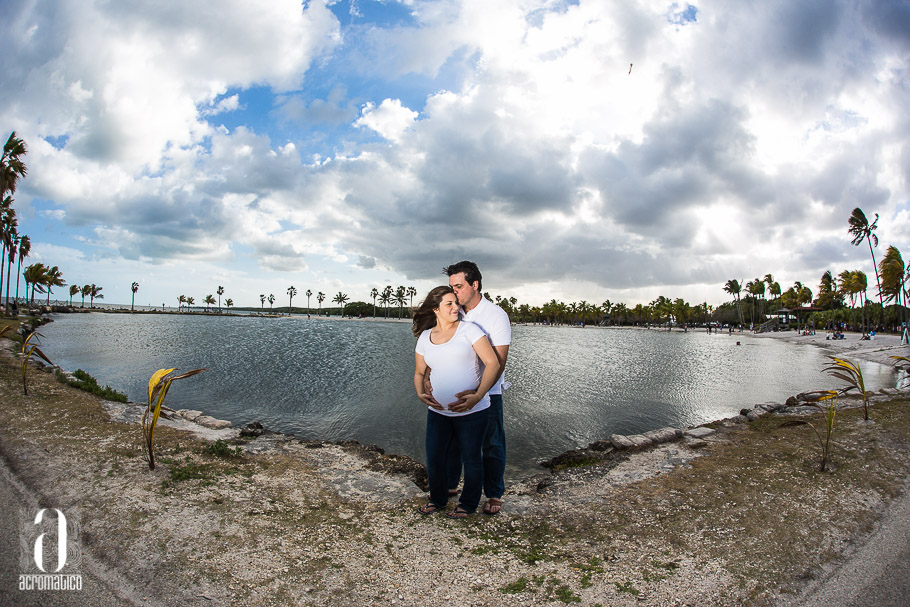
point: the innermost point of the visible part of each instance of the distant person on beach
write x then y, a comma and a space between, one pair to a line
466, 280
464, 368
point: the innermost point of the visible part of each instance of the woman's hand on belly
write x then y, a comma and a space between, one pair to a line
466, 401
428, 400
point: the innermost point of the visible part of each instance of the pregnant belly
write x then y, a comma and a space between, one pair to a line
445, 388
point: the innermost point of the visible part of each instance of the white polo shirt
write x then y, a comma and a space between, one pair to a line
495, 323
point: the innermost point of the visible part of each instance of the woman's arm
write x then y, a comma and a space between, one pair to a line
491, 370
420, 370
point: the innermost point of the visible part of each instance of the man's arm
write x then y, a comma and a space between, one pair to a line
502, 354
428, 387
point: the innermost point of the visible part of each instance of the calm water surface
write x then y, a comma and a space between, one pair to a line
338, 380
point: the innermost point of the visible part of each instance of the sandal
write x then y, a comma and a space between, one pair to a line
459, 512
493, 506
428, 508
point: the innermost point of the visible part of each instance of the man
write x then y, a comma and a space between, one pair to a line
466, 280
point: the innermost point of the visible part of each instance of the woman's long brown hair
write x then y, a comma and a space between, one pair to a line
425, 316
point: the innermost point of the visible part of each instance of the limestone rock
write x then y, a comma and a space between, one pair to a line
700, 432
640, 441
210, 422
621, 442
663, 435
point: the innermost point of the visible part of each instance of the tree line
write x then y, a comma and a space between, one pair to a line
829, 307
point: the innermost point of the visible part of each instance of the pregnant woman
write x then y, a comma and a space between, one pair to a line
461, 358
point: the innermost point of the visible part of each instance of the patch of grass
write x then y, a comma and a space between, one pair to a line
519, 585
628, 588
669, 566
565, 594
84, 381
221, 449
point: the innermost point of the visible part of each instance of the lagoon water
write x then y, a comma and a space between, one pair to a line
341, 379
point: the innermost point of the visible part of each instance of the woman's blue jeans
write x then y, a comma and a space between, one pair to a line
494, 454
465, 431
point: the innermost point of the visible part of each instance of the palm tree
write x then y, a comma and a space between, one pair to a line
133, 287
189, 302
342, 299
9, 237
12, 167
180, 301
386, 298
25, 247
827, 291
411, 293
755, 288
861, 229
73, 290
261, 301
34, 275
291, 292
893, 270
320, 297
95, 293
220, 291
271, 301
774, 290
309, 293
732, 287
208, 300
374, 293
400, 298
52, 278
229, 302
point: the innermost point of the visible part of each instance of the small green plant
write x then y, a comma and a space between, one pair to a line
30, 349
159, 384
84, 381
221, 449
515, 587
565, 595
628, 588
850, 372
825, 401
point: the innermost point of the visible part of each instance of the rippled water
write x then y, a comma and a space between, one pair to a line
336, 380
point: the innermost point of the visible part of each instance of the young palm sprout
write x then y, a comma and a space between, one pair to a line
850, 372
159, 384
28, 350
829, 398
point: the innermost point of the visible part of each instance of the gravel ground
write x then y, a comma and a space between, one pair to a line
742, 517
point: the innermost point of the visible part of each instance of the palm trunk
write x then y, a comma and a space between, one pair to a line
9, 267
2, 260
877, 281
18, 274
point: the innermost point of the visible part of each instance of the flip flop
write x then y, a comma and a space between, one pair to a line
459, 512
428, 508
493, 506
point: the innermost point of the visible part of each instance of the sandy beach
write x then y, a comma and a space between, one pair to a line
740, 515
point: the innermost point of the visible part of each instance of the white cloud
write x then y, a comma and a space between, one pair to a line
390, 119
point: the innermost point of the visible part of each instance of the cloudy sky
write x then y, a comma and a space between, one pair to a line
584, 149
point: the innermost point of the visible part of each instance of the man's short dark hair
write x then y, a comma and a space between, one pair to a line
470, 269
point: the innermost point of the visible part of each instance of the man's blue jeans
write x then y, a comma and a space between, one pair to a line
494, 454
465, 434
